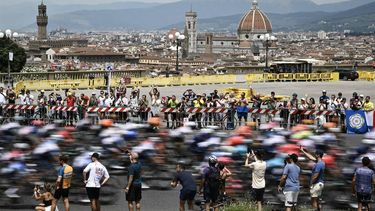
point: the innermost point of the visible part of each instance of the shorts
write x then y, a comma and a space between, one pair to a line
242, 115
211, 196
134, 193
257, 194
316, 190
187, 195
291, 197
61, 193
363, 197
93, 193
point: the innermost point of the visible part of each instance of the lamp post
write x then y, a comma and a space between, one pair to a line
8, 34
178, 38
267, 39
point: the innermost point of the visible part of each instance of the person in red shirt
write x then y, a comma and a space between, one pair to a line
70, 102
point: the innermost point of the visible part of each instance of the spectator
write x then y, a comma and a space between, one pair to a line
242, 109
311, 104
362, 184
258, 167
224, 174
210, 184
143, 106
339, 98
324, 97
290, 181
94, 101
271, 104
173, 103
83, 105
293, 105
98, 176
70, 102
46, 197
361, 100
63, 183
257, 103
42, 102
317, 178
101, 99
190, 95
284, 114
367, 105
134, 188
189, 188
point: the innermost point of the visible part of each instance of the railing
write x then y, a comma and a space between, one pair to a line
72, 75
225, 118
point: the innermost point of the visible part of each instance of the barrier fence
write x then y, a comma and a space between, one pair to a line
227, 118
99, 82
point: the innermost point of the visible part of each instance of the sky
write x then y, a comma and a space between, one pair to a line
108, 1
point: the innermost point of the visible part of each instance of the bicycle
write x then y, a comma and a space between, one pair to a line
229, 121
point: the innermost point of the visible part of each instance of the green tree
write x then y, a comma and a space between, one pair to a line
19, 56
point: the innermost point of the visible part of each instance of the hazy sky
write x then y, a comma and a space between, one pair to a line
102, 1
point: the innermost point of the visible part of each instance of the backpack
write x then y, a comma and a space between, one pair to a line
213, 179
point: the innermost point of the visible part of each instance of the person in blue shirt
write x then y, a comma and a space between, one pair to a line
362, 184
290, 181
189, 187
134, 188
317, 178
242, 109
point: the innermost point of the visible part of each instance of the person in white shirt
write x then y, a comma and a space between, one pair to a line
258, 181
98, 176
122, 101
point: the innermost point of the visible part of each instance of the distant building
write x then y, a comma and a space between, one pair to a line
191, 31
251, 26
42, 21
322, 35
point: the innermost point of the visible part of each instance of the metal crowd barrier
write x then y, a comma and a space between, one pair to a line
226, 118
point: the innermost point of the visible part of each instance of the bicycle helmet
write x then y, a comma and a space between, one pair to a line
212, 160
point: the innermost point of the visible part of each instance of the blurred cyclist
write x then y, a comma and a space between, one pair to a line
96, 172
211, 184
189, 188
317, 178
134, 188
362, 184
63, 183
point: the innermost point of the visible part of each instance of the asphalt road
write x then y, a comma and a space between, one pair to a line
311, 89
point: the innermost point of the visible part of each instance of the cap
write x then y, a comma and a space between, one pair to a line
303, 99
42, 90
324, 91
93, 93
361, 95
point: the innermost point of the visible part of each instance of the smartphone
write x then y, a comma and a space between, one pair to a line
249, 149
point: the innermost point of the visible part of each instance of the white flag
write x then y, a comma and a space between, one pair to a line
10, 56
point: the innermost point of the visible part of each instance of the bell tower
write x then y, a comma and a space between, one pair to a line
42, 21
191, 31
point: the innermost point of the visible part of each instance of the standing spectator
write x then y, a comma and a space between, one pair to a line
189, 188
362, 184
339, 98
324, 97
361, 100
101, 99
51, 103
134, 188
354, 102
182, 114
94, 101
134, 102
317, 178
11, 100
367, 105
3, 100
42, 102
84, 104
122, 101
29, 100
21, 98
257, 103
258, 167
173, 103
70, 102
270, 104
63, 182
190, 95
143, 106
155, 102
293, 105
107, 100
284, 114
198, 103
224, 174
242, 109
290, 182
210, 184
96, 172
210, 116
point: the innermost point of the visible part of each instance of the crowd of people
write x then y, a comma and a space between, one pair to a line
142, 107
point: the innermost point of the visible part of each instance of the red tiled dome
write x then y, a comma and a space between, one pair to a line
255, 21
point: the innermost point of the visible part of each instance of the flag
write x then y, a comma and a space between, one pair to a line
356, 122
370, 119
11, 56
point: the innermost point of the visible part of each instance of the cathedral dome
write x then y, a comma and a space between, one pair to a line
254, 22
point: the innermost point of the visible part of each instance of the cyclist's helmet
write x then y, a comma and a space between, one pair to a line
212, 160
